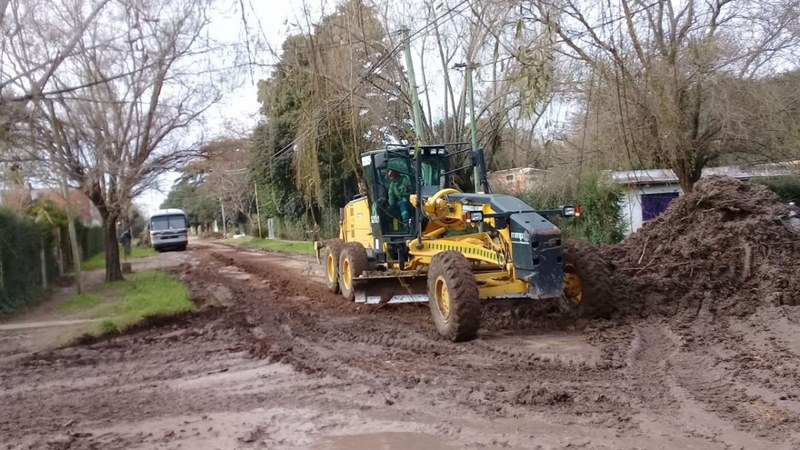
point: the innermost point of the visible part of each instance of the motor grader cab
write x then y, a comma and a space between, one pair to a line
452, 249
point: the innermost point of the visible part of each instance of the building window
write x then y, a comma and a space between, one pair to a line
509, 177
655, 204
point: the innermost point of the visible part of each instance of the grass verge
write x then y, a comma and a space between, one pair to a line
98, 261
79, 302
274, 244
143, 296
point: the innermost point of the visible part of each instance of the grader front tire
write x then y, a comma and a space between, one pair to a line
333, 250
353, 261
587, 282
453, 297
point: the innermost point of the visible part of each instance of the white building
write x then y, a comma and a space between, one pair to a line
517, 180
647, 193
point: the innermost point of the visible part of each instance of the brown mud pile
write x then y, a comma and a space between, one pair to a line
725, 248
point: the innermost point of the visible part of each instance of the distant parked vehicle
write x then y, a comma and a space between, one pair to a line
169, 229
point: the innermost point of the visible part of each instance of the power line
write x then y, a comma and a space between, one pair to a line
378, 64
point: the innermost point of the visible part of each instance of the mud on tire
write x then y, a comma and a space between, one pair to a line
582, 259
333, 248
450, 273
353, 262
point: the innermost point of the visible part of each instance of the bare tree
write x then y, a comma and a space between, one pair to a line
512, 70
657, 67
121, 134
30, 53
223, 168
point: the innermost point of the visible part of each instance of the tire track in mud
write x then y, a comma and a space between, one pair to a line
602, 384
396, 352
675, 389
750, 369
398, 346
680, 393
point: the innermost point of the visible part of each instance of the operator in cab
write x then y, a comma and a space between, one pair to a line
399, 190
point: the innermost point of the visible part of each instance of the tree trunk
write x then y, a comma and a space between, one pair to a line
688, 172
113, 269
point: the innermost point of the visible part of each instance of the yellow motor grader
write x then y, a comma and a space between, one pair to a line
451, 249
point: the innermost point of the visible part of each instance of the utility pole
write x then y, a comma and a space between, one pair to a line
224, 225
412, 86
258, 213
62, 169
473, 125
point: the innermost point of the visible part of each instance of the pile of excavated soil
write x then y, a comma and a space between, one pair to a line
723, 248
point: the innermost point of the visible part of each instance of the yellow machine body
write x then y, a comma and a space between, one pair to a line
355, 223
491, 257
410, 214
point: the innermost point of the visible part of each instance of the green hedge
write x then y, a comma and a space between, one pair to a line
600, 222
90, 239
21, 243
787, 188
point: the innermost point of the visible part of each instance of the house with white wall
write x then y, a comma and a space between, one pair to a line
516, 180
20, 198
647, 193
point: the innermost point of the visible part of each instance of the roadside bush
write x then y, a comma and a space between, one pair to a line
54, 218
90, 239
21, 241
600, 222
302, 230
787, 188
329, 227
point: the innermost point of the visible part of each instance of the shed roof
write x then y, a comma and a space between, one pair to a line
667, 176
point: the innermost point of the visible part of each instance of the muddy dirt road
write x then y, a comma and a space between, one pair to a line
274, 361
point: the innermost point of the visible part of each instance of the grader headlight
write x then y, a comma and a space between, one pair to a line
472, 216
571, 211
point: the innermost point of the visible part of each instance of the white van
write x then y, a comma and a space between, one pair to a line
169, 229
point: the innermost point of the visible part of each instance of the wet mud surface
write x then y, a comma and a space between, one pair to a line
273, 360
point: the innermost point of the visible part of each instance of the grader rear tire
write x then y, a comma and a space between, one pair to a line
587, 282
353, 262
453, 297
333, 249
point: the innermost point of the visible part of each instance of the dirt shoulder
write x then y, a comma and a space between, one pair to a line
283, 364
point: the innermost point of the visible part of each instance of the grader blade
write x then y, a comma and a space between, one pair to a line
381, 288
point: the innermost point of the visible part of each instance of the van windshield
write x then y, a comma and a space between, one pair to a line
167, 222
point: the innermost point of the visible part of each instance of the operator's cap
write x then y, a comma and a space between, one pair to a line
391, 174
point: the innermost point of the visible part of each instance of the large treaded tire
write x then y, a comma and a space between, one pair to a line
582, 258
462, 319
353, 261
333, 248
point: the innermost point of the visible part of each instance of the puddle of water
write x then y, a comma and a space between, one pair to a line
390, 440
